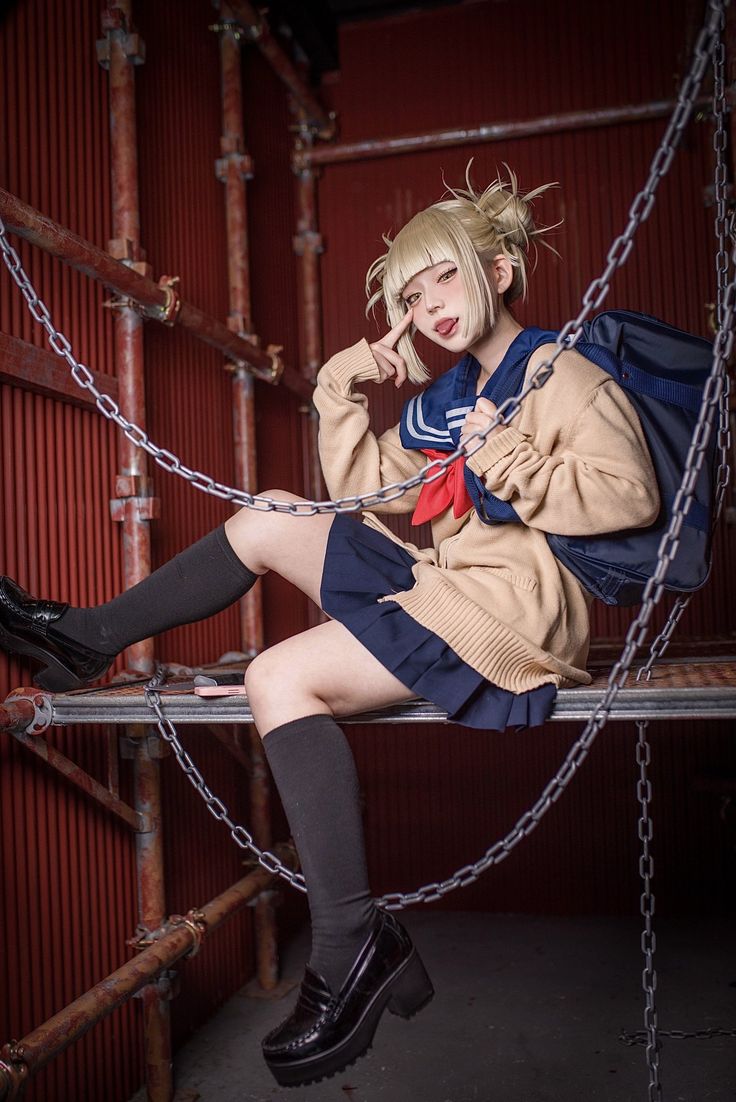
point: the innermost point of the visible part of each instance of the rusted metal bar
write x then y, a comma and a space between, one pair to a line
151, 912
78, 777
16, 716
234, 169
135, 507
19, 1060
30, 711
244, 441
308, 247
31, 368
228, 737
60, 242
491, 132
256, 27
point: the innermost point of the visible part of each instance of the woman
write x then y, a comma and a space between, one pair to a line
485, 623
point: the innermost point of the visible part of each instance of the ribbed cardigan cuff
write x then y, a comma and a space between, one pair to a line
353, 365
495, 447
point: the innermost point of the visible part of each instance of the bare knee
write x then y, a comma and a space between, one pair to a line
256, 515
277, 694
251, 531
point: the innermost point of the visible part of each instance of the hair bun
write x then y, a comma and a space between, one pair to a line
509, 213
470, 229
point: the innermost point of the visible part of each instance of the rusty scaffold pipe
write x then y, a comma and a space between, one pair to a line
31, 368
135, 506
234, 168
161, 303
258, 31
16, 716
372, 148
308, 247
180, 937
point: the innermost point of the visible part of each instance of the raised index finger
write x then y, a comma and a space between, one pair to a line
392, 337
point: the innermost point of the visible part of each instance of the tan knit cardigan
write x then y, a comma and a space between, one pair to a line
573, 461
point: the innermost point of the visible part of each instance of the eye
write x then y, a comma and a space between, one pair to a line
447, 275
410, 300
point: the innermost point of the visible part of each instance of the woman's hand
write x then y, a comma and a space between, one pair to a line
390, 364
479, 419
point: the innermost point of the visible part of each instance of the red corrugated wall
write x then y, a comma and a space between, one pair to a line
435, 797
68, 871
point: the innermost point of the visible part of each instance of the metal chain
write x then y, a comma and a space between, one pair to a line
661, 642
648, 937
637, 631
653, 591
651, 1035
567, 337
719, 146
215, 806
723, 232
635, 636
640, 1036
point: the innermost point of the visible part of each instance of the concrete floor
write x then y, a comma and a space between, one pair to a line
526, 1010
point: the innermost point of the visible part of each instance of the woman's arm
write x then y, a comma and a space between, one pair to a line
354, 460
593, 475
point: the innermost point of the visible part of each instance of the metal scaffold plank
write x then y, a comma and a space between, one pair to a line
682, 689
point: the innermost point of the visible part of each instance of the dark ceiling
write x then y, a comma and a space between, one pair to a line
313, 24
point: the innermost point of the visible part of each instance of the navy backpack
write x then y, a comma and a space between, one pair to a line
663, 371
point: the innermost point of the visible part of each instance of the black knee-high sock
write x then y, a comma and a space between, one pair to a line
314, 771
200, 581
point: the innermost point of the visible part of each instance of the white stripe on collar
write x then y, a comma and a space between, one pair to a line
428, 434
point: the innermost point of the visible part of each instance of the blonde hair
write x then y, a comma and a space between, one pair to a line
469, 229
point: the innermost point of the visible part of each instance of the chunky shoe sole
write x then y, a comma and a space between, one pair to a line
405, 993
55, 676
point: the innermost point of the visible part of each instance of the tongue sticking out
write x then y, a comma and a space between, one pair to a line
446, 326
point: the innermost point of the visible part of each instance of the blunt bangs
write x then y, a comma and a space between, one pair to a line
431, 237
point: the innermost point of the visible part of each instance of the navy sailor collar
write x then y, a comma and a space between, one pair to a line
433, 418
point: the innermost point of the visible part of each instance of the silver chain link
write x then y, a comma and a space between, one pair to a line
567, 338
215, 806
507, 410
651, 1035
640, 1036
722, 232
715, 399
647, 903
635, 636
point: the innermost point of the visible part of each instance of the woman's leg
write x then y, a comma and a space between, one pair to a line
358, 952
77, 645
295, 690
207, 577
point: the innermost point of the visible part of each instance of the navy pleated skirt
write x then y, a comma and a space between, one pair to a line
362, 565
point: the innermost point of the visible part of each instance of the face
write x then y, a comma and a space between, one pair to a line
437, 296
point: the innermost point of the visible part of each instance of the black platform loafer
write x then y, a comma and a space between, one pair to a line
327, 1032
27, 627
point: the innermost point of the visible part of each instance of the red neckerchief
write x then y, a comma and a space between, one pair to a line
447, 490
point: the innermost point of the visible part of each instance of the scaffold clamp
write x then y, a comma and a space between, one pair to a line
13, 1070
169, 312
277, 364
34, 723
195, 921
